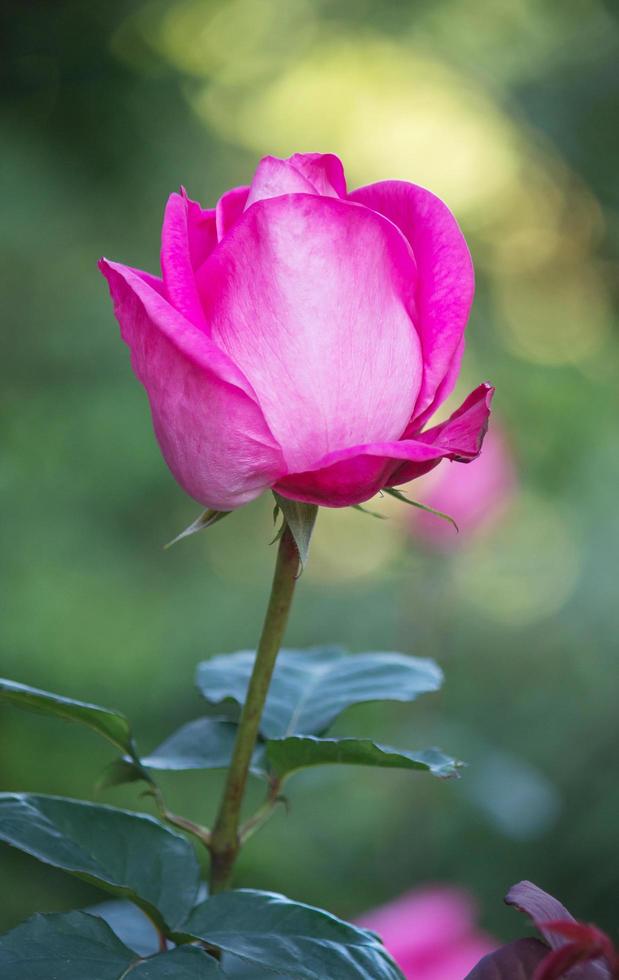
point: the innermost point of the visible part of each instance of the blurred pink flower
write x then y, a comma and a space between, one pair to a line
431, 933
301, 336
475, 495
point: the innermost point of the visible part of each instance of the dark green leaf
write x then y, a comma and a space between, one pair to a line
205, 743
129, 854
393, 492
310, 688
111, 724
183, 963
130, 924
238, 969
122, 771
79, 946
206, 519
300, 518
74, 946
287, 937
288, 755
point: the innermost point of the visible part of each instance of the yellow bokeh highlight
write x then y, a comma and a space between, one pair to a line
276, 76
384, 109
349, 545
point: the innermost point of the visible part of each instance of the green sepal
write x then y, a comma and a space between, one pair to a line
206, 519
393, 492
370, 513
301, 519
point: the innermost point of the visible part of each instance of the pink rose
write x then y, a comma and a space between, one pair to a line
475, 496
431, 933
300, 336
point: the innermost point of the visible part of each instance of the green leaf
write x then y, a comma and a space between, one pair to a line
205, 743
206, 519
79, 946
121, 771
415, 503
288, 755
275, 933
73, 946
129, 854
300, 518
111, 724
310, 688
183, 963
129, 923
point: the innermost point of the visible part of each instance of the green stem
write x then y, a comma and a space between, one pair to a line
225, 838
203, 834
262, 814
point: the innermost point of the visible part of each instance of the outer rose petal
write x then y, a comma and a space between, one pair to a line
187, 237
309, 296
230, 207
445, 280
211, 431
353, 475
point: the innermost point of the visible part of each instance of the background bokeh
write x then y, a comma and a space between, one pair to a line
508, 111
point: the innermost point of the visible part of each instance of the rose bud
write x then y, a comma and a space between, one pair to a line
300, 337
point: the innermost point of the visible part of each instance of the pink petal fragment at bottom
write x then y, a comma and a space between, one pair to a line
351, 476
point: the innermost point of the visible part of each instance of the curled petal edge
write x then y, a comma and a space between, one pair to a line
351, 476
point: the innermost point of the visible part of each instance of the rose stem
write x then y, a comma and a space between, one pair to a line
225, 839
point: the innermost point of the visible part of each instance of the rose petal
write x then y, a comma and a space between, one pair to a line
302, 173
514, 961
230, 207
309, 296
323, 170
540, 907
187, 237
211, 431
368, 468
543, 909
275, 177
352, 475
445, 281
573, 962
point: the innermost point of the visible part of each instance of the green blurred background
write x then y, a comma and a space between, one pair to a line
509, 112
